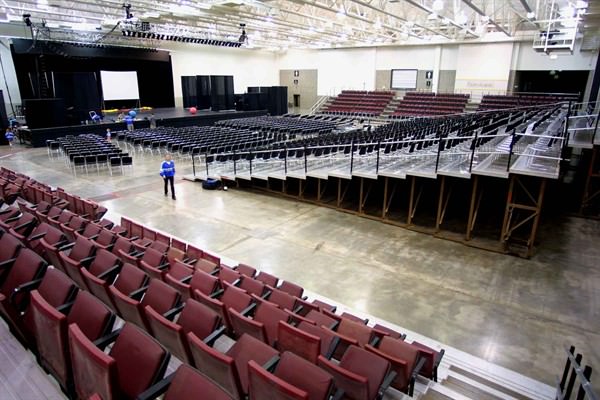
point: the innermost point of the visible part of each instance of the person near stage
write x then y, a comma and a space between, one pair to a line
10, 136
129, 122
108, 135
152, 121
167, 171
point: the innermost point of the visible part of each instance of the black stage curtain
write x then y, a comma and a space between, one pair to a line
188, 91
155, 76
80, 93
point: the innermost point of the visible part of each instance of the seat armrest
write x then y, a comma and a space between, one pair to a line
216, 293
188, 260
38, 236
138, 292
105, 340
187, 279
214, 272
173, 311
212, 338
339, 395
417, 370
248, 310
158, 389
23, 225
272, 363
87, 260
25, 287
236, 282
11, 219
65, 308
7, 263
266, 294
94, 237
389, 378
332, 347
85, 216
112, 270
163, 266
66, 246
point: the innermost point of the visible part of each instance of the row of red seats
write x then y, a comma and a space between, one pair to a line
425, 104
255, 307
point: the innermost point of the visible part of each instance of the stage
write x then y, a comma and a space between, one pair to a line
175, 117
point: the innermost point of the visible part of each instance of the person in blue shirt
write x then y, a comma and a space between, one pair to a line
129, 122
167, 171
10, 136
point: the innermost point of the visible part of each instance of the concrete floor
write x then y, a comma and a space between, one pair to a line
513, 312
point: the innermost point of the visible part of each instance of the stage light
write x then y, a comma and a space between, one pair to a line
243, 36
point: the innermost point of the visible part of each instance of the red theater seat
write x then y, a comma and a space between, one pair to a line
134, 363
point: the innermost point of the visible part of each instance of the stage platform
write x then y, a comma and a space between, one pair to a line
176, 117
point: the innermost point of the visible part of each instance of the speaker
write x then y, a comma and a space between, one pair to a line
44, 113
189, 91
203, 91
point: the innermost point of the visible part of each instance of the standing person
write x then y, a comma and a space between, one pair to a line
152, 121
108, 135
167, 171
129, 122
10, 136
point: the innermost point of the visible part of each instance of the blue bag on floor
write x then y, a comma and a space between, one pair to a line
211, 184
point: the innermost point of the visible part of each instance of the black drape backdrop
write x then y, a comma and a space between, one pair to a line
80, 93
155, 76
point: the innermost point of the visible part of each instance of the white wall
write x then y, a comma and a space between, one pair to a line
248, 67
11, 77
483, 68
345, 69
530, 60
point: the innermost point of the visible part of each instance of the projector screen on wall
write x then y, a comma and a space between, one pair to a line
119, 85
404, 79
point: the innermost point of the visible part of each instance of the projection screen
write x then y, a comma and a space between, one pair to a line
119, 85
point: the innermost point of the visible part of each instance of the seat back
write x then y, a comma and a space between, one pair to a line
228, 275
326, 335
264, 385
130, 278
188, 383
267, 279
83, 248
252, 286
153, 257
291, 288
217, 366
244, 325
304, 375
160, 296
50, 234
51, 254
282, 299
123, 245
290, 338
94, 372
50, 331
393, 350
203, 282
270, 316
248, 348
141, 361
105, 238
27, 267
205, 265
104, 261
169, 334
246, 270
9, 247
91, 315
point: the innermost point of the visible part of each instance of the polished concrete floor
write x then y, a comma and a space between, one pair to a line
513, 312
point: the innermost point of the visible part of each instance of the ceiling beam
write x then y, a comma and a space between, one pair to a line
430, 11
483, 14
526, 6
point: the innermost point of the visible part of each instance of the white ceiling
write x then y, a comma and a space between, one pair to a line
280, 24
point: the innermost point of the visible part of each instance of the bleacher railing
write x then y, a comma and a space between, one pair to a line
503, 152
575, 374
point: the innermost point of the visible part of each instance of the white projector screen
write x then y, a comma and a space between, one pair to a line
119, 85
404, 79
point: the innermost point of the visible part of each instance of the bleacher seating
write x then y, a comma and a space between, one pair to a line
359, 103
429, 104
70, 330
500, 102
